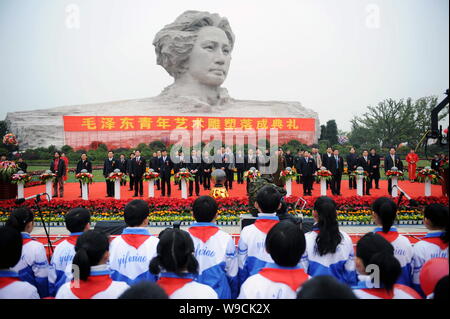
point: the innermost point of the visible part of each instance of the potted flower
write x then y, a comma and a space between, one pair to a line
7, 189
252, 174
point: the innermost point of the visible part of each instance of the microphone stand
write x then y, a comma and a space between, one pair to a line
38, 207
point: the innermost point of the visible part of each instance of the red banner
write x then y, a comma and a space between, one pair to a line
158, 123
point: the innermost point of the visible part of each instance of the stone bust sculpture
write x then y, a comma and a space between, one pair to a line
196, 51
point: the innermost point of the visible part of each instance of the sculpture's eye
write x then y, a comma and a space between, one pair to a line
226, 51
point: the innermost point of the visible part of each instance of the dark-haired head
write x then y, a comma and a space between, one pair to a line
323, 199
91, 249
385, 212
21, 219
136, 213
436, 218
77, 220
373, 249
441, 290
144, 290
10, 247
175, 253
286, 244
268, 199
329, 236
204, 209
325, 287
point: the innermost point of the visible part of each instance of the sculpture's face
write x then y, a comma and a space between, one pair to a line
210, 57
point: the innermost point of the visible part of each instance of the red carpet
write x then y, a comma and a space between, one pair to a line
98, 190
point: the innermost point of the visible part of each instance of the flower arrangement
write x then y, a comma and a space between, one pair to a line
394, 173
252, 174
288, 173
357, 173
20, 178
324, 174
116, 176
150, 176
183, 174
7, 169
428, 174
10, 139
47, 176
85, 177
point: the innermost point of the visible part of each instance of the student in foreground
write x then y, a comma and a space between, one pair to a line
214, 250
252, 255
286, 244
177, 267
77, 221
132, 251
92, 278
375, 256
11, 287
384, 215
33, 265
325, 287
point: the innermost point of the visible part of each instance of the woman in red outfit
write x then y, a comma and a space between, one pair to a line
412, 158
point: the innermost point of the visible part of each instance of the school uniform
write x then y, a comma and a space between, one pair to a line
431, 246
33, 265
61, 263
340, 264
364, 291
217, 257
99, 285
130, 255
274, 282
403, 251
11, 287
252, 254
183, 286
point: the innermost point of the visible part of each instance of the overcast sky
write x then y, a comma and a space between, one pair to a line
334, 56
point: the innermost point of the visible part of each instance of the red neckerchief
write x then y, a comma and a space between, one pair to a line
379, 292
5, 281
294, 278
437, 241
390, 236
92, 286
204, 233
265, 225
170, 284
73, 239
135, 240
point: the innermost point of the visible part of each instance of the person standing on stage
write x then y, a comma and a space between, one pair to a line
58, 167
82, 164
198, 153
352, 161
250, 162
325, 159
375, 160
281, 166
366, 164
22, 165
412, 158
122, 164
297, 165
165, 167
193, 166
181, 163
129, 171
318, 160
289, 159
435, 162
155, 166
66, 161
138, 166
109, 165
240, 166
229, 168
307, 169
336, 167
206, 168
390, 161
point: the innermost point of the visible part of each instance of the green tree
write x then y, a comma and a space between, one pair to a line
331, 132
323, 133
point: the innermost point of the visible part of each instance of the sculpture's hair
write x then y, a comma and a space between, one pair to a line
174, 43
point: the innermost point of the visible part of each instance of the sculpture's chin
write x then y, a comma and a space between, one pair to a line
213, 80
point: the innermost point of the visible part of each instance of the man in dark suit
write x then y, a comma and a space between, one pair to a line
352, 162
325, 161
58, 167
129, 170
193, 166
240, 166
390, 161
364, 162
138, 166
336, 167
179, 164
297, 165
206, 168
307, 169
374, 159
22, 165
109, 165
83, 163
289, 159
122, 164
165, 167
155, 167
